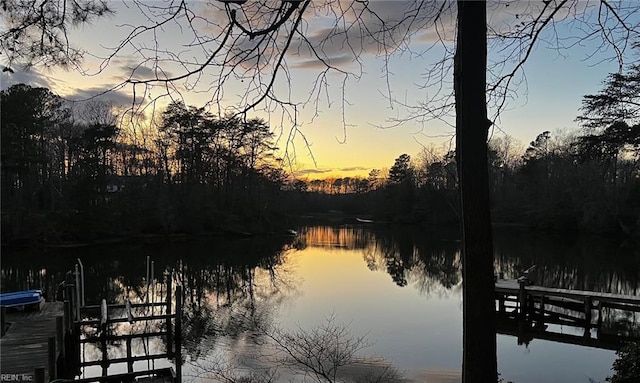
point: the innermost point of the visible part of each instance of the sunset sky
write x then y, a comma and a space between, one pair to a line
362, 136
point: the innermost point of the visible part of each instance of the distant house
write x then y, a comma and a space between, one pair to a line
115, 184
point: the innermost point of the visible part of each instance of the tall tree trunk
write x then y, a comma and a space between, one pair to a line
479, 363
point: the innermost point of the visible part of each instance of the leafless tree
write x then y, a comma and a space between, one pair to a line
329, 353
326, 353
36, 32
473, 54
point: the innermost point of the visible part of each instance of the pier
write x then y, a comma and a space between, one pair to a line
527, 311
59, 340
25, 345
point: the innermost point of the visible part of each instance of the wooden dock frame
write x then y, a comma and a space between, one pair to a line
60, 336
525, 310
172, 335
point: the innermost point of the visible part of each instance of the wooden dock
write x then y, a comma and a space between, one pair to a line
528, 311
512, 287
48, 344
25, 346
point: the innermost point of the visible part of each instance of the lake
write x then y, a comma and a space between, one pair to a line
397, 285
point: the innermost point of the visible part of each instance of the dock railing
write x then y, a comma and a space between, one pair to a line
81, 328
526, 309
158, 325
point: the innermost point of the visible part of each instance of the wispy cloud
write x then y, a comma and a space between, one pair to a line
355, 169
142, 72
338, 172
104, 93
117, 96
313, 171
31, 78
317, 64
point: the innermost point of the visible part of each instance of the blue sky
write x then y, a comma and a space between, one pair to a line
351, 125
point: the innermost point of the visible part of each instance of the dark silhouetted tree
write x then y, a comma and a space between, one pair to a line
401, 170
250, 43
618, 101
36, 32
31, 122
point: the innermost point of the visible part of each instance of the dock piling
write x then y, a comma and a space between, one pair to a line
77, 292
178, 351
51, 346
532, 308
60, 334
3, 321
587, 317
39, 375
168, 313
130, 361
522, 298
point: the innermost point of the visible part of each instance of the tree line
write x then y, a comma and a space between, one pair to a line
581, 182
78, 170
93, 170
585, 181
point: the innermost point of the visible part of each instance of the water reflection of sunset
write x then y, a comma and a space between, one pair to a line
336, 236
398, 284
430, 269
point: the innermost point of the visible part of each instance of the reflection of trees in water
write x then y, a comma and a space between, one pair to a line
429, 258
107, 269
426, 258
229, 285
620, 322
230, 294
574, 262
16, 278
429, 263
347, 237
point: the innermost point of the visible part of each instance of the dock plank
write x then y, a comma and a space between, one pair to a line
24, 346
511, 286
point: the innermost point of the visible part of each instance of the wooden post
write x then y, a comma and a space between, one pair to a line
587, 317
178, 348
600, 307
75, 344
146, 296
153, 287
531, 310
104, 318
70, 298
67, 316
168, 313
104, 314
129, 311
129, 361
541, 312
39, 375
68, 338
60, 335
3, 321
77, 293
51, 346
61, 362
103, 349
60, 338
522, 298
72, 338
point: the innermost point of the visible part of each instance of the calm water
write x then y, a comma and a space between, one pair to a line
398, 286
